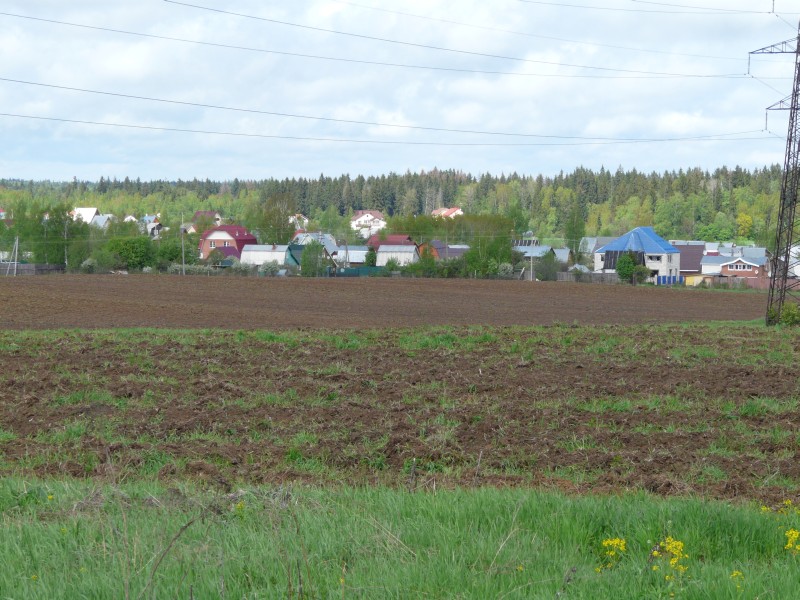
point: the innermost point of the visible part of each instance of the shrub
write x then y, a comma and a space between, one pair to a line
505, 270
238, 268
626, 264
269, 269
640, 273
790, 314
89, 266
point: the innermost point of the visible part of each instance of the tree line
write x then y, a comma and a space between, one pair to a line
721, 205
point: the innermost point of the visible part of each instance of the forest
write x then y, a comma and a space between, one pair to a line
724, 205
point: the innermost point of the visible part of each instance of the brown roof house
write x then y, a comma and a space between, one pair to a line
393, 239
228, 239
367, 222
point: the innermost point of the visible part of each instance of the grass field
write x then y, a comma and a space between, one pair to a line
441, 462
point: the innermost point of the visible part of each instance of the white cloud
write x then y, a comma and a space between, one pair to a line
560, 106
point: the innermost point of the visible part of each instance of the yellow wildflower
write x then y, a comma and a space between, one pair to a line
791, 540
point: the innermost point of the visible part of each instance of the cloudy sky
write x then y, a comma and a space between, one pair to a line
295, 88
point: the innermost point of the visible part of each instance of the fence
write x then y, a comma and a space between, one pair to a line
753, 283
608, 278
29, 269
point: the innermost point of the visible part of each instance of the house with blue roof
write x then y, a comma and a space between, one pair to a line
650, 250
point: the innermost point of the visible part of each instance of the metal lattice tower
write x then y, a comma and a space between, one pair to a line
786, 260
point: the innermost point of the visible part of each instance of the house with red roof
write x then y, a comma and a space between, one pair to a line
228, 239
447, 213
393, 239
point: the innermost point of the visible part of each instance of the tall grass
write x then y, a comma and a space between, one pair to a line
140, 540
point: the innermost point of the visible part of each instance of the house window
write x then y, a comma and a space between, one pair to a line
226, 243
212, 244
653, 258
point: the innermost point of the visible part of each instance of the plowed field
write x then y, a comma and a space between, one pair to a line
51, 302
295, 392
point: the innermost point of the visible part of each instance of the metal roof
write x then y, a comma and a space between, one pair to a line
641, 239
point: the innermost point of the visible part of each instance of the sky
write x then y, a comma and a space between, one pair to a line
160, 89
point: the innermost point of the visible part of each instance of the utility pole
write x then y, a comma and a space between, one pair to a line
183, 250
786, 259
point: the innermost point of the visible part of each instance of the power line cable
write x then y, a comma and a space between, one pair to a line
325, 119
725, 137
643, 75
710, 8
424, 46
642, 10
534, 35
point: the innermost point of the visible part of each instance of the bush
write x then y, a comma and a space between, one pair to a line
626, 264
238, 268
505, 270
89, 266
175, 269
790, 314
640, 273
269, 269
147, 270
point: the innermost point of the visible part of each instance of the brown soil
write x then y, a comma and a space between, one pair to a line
673, 410
53, 302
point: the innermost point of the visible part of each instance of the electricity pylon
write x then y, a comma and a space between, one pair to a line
784, 278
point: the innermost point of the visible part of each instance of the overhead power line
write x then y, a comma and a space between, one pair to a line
319, 118
705, 12
536, 35
641, 75
704, 8
430, 46
725, 137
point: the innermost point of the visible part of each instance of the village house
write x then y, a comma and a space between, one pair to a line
299, 222
229, 240
403, 255
367, 222
352, 256
393, 239
692, 254
441, 250
447, 213
326, 239
651, 250
84, 214
259, 254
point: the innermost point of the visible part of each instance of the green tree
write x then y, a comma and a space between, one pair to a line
312, 261
134, 253
269, 218
574, 230
371, 259
546, 267
640, 274
626, 265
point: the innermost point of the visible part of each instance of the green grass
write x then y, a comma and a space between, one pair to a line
439, 408
73, 540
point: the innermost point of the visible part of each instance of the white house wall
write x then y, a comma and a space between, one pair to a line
402, 258
260, 257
